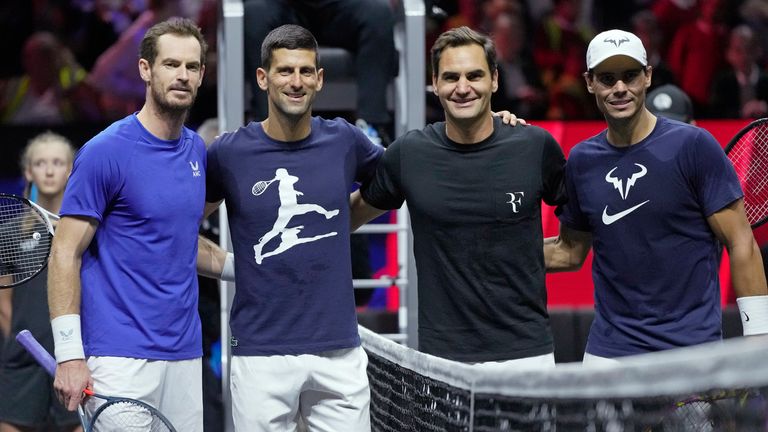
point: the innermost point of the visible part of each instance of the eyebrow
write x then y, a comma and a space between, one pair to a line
472, 72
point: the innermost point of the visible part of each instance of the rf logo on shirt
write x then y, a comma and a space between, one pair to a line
623, 189
516, 199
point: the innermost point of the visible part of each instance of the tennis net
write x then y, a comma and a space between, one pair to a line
721, 386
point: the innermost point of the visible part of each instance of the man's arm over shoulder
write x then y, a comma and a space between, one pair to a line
213, 261
360, 211
567, 251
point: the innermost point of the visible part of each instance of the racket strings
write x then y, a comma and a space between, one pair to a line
128, 415
750, 159
24, 241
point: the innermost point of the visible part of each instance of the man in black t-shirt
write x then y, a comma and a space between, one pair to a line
474, 190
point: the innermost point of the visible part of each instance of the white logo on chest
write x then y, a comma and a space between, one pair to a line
618, 184
516, 199
195, 168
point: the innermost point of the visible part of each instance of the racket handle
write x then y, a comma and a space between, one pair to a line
43, 357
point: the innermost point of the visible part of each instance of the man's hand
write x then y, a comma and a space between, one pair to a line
72, 377
509, 118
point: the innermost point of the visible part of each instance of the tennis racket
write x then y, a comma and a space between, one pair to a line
260, 186
116, 413
748, 152
26, 234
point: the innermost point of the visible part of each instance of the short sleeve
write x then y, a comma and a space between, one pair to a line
214, 191
96, 176
715, 181
570, 213
384, 191
553, 172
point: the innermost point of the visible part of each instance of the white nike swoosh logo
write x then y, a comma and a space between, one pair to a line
609, 219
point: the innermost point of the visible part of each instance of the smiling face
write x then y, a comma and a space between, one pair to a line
176, 74
464, 83
619, 84
292, 82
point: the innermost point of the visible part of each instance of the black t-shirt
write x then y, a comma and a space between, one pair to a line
476, 217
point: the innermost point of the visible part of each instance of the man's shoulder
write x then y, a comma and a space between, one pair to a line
114, 140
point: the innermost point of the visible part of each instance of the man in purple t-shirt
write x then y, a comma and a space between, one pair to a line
654, 198
123, 262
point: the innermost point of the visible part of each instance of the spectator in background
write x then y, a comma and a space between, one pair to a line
114, 74
559, 48
671, 102
51, 91
520, 88
754, 13
741, 89
28, 402
673, 14
646, 26
696, 52
364, 27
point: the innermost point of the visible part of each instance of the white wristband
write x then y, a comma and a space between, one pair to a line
228, 270
67, 342
754, 314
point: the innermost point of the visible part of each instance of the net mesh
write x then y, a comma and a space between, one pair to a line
24, 241
412, 391
749, 157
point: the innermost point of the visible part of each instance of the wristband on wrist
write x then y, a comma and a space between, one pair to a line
67, 341
754, 314
228, 270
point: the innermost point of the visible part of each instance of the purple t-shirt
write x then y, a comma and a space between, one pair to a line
288, 209
139, 283
656, 260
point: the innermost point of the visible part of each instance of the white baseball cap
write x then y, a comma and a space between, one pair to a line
612, 43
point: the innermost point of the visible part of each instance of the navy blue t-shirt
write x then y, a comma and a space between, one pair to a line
288, 209
656, 260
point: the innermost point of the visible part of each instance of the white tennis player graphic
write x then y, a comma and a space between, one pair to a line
289, 207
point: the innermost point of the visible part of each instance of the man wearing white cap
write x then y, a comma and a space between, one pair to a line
654, 198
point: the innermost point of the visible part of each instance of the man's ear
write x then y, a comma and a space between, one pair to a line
589, 82
145, 70
320, 74
261, 79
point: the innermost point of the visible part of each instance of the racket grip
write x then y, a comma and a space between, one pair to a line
43, 357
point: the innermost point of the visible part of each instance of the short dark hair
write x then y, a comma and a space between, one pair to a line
174, 26
462, 36
288, 36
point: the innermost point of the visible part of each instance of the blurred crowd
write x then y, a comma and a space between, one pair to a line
70, 61
712, 49
75, 60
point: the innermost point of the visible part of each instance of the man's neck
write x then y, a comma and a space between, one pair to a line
287, 129
163, 125
469, 131
627, 132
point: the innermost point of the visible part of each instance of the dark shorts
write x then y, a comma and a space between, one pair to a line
28, 398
